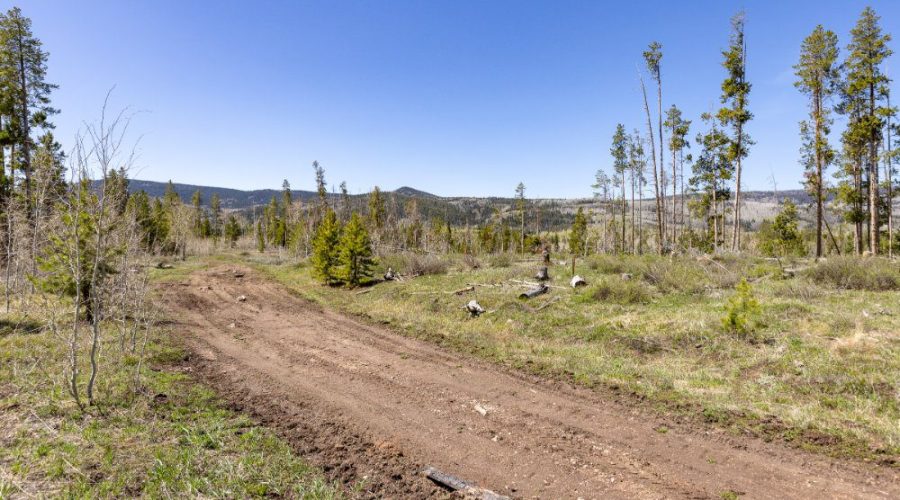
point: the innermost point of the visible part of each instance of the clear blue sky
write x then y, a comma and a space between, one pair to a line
454, 97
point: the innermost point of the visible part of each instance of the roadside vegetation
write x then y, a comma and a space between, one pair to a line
169, 437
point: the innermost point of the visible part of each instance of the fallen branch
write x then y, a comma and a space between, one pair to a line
547, 304
470, 288
533, 284
454, 483
534, 292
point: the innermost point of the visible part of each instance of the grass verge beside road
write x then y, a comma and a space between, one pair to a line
173, 438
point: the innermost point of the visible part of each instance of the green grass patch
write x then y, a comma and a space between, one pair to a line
173, 438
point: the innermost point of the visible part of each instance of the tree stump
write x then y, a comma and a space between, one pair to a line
542, 274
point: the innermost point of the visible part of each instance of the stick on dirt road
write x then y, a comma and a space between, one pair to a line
370, 405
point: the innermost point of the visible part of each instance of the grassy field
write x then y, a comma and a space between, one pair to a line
817, 364
173, 438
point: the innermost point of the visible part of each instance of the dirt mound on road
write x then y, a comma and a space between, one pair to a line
373, 408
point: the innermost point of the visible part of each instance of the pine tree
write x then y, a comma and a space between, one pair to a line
712, 170
232, 230
321, 189
578, 236
520, 206
639, 167
619, 152
326, 248
345, 201
355, 253
679, 128
197, 222
287, 198
215, 209
735, 90
26, 93
260, 238
864, 92
818, 77
652, 57
376, 209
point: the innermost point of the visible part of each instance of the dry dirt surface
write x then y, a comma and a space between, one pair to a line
373, 408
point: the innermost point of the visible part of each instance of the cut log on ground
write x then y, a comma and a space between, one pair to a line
542, 274
577, 281
465, 488
534, 292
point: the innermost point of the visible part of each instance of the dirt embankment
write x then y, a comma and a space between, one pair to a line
373, 408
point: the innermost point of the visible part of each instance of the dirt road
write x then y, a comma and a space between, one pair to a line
373, 406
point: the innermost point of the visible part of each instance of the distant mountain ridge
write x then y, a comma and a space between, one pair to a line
241, 199
553, 214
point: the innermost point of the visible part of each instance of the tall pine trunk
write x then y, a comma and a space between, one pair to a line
624, 211
674, 191
820, 206
661, 149
874, 222
659, 208
889, 177
633, 244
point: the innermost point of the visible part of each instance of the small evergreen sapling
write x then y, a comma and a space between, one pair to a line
260, 238
355, 253
326, 249
742, 310
232, 230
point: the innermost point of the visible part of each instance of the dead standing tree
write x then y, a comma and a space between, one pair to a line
85, 250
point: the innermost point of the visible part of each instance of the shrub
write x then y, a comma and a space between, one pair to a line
799, 290
853, 273
782, 237
676, 275
416, 264
500, 260
607, 264
617, 292
742, 310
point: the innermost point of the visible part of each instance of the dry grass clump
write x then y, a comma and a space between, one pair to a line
470, 262
675, 275
415, 264
608, 264
799, 290
850, 273
500, 260
618, 292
